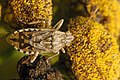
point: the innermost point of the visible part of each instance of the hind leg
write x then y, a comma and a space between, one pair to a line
53, 56
31, 58
63, 50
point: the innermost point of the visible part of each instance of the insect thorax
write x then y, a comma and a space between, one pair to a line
51, 41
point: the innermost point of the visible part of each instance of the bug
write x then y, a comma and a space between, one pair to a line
38, 41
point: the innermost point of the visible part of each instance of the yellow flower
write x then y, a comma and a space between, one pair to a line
32, 10
94, 52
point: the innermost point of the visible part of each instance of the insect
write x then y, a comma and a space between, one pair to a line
37, 41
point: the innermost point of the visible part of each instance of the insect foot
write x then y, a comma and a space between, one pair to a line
38, 41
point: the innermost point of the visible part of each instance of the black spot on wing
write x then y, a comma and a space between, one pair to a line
24, 45
24, 51
14, 39
30, 52
18, 49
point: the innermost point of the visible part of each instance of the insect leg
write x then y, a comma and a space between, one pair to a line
34, 57
47, 21
36, 22
58, 25
22, 21
31, 58
63, 50
53, 56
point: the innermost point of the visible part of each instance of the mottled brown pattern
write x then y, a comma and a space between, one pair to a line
33, 40
21, 40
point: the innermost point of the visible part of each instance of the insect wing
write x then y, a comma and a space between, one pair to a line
20, 40
42, 40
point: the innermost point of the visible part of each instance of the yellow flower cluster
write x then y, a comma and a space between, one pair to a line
94, 52
32, 10
108, 14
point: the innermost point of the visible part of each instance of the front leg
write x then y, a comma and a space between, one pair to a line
59, 24
43, 23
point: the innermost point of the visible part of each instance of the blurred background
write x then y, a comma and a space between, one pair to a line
62, 9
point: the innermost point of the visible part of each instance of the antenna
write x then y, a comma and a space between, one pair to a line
91, 17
